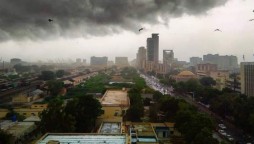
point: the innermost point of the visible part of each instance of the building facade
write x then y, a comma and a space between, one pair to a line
141, 58
168, 58
121, 61
195, 60
247, 78
99, 61
204, 70
224, 62
153, 48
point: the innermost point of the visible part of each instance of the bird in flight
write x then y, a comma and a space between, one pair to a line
50, 20
251, 20
218, 30
140, 29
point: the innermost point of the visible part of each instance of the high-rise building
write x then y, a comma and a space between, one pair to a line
153, 48
99, 61
195, 60
247, 78
15, 61
224, 62
168, 57
121, 61
78, 60
141, 58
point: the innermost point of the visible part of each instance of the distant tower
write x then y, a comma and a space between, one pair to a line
152, 45
168, 57
141, 58
247, 78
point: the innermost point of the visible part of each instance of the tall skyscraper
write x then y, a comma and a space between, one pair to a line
247, 78
168, 57
152, 45
141, 58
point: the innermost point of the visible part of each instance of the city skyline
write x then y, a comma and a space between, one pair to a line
188, 31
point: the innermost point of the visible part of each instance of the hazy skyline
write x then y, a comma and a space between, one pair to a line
82, 29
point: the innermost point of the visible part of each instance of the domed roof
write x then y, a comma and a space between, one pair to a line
186, 73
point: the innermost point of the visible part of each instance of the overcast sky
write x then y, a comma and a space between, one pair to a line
83, 28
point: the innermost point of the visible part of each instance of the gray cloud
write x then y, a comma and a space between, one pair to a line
28, 19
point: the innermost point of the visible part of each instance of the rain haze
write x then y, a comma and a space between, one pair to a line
81, 29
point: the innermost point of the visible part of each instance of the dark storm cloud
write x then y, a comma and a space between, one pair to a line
28, 19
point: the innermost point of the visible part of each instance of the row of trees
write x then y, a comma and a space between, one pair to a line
32, 68
195, 127
78, 115
136, 110
230, 105
50, 75
97, 83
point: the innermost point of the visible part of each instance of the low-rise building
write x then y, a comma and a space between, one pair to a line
184, 76
114, 103
3, 112
221, 78
111, 128
205, 69
27, 97
17, 129
83, 138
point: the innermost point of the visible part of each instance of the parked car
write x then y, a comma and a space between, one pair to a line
222, 126
222, 132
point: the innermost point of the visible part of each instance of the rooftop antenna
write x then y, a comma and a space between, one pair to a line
243, 58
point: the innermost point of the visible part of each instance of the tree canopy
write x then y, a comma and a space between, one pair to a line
47, 75
207, 81
78, 115
60, 73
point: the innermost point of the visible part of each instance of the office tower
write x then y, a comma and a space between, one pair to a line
121, 61
195, 60
141, 58
78, 60
15, 61
153, 48
224, 62
168, 57
99, 61
247, 78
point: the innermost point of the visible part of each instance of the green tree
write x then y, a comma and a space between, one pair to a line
60, 73
204, 137
47, 75
190, 123
157, 95
54, 87
170, 107
85, 109
55, 119
136, 110
207, 81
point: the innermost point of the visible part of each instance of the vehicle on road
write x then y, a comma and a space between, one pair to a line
222, 126
222, 132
